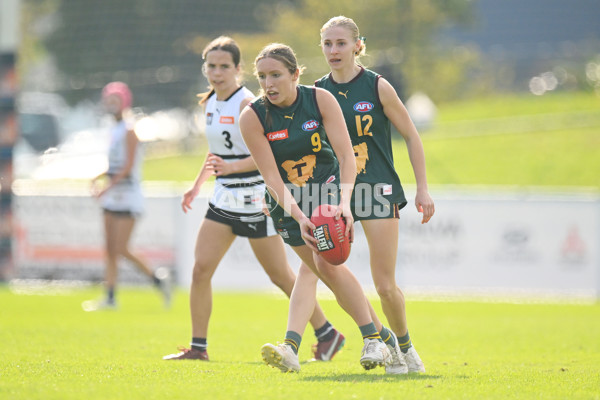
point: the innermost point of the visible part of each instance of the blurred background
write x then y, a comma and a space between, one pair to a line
506, 96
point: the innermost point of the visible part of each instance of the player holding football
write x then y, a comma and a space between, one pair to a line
294, 134
236, 178
369, 104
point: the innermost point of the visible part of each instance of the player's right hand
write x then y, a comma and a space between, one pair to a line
306, 229
188, 197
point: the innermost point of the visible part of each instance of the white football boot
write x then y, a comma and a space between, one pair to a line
281, 356
413, 361
98, 305
374, 353
397, 365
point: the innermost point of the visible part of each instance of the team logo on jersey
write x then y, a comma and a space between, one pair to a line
209, 118
330, 179
363, 106
226, 120
300, 171
361, 153
310, 125
279, 135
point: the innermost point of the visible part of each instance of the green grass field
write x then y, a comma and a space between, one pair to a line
516, 140
51, 349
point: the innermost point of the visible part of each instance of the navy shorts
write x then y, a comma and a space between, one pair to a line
257, 225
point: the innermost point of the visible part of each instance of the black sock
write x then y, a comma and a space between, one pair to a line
199, 343
110, 294
325, 333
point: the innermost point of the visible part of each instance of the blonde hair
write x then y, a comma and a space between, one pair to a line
350, 25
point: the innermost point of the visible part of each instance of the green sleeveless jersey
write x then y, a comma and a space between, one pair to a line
304, 157
370, 133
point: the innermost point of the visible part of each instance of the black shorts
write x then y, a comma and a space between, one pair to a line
256, 225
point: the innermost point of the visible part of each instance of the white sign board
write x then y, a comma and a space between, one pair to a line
507, 243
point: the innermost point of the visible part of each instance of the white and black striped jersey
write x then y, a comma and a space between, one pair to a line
243, 192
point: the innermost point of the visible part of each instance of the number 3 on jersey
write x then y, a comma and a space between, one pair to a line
228, 143
368, 121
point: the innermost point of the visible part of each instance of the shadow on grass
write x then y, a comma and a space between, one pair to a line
366, 377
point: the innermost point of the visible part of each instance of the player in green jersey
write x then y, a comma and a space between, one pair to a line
369, 104
299, 141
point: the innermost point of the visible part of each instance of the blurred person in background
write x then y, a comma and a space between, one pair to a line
121, 198
236, 206
369, 103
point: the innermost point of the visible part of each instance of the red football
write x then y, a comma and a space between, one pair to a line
332, 244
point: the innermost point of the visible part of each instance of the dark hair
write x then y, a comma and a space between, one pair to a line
284, 54
224, 43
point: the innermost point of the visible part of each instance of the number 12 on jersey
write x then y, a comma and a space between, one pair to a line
368, 121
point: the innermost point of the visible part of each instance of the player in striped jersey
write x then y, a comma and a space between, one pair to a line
370, 104
236, 206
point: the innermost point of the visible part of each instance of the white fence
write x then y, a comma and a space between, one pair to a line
479, 242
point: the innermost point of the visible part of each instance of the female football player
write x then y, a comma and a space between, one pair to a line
369, 103
298, 138
121, 197
235, 208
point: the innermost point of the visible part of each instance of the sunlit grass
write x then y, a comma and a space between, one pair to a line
51, 349
556, 158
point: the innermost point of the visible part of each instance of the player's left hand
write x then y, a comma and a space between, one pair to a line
425, 205
343, 211
218, 165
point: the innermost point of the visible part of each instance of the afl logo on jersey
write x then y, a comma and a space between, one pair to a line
363, 106
310, 125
